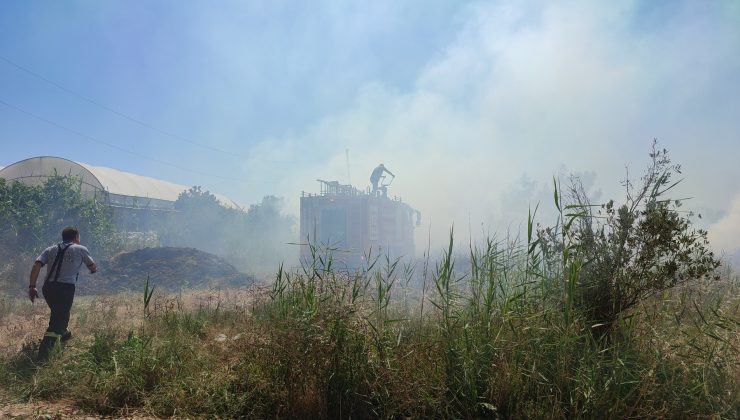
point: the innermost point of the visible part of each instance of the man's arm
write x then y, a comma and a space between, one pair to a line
89, 262
32, 292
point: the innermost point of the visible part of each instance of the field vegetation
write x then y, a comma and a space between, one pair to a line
619, 310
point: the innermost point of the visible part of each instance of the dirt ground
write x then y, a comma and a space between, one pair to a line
39, 410
54, 410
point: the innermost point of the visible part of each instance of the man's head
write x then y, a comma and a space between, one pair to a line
70, 234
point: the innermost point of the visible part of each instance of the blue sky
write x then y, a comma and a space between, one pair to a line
474, 105
228, 75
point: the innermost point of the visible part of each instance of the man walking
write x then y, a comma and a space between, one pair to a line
66, 259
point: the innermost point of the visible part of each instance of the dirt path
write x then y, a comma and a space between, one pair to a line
41, 410
54, 410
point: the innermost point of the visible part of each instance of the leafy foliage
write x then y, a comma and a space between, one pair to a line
623, 254
250, 240
31, 217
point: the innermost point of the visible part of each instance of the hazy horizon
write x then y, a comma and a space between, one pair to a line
474, 105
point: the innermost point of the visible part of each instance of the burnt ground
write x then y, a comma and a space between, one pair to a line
168, 268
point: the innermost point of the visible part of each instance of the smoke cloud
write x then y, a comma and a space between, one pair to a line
474, 105
725, 234
531, 91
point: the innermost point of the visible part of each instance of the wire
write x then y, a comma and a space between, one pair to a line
113, 146
119, 113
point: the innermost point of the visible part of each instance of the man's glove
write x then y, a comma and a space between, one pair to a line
32, 293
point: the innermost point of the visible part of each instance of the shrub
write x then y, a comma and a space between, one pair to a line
615, 256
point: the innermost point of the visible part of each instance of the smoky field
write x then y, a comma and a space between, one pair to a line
616, 310
446, 209
479, 334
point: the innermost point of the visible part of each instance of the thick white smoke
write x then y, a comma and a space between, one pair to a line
523, 92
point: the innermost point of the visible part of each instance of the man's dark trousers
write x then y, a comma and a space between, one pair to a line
59, 297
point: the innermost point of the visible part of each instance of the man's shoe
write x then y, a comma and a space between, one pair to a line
66, 335
47, 346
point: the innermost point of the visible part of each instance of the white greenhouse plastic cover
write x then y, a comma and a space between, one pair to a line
124, 188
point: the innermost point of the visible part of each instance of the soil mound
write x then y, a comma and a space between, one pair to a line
168, 268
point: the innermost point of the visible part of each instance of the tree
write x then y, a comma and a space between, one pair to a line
31, 217
251, 240
270, 232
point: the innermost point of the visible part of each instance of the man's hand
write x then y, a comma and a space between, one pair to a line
33, 293
93, 268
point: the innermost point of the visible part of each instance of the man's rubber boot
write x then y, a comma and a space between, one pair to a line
48, 344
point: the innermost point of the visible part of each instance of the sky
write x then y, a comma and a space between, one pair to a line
474, 105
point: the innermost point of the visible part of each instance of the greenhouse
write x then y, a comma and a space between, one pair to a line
116, 188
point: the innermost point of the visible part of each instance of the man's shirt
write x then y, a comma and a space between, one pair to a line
74, 257
377, 173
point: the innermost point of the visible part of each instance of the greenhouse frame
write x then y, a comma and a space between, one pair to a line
115, 188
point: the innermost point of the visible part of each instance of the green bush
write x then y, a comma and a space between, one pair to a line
253, 240
615, 256
33, 216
